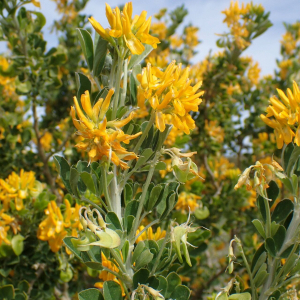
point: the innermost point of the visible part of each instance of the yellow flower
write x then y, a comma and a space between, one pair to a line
18, 188
101, 139
149, 235
187, 202
253, 73
106, 275
54, 228
159, 29
284, 66
285, 115
214, 131
133, 32
288, 42
36, 3
191, 38
169, 93
5, 221
46, 140
233, 13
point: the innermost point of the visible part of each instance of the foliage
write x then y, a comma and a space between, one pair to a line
145, 199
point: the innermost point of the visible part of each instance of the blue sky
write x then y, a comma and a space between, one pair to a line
205, 14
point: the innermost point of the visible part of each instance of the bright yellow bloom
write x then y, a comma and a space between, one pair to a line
170, 95
102, 139
253, 73
54, 228
187, 202
159, 29
149, 234
46, 140
133, 32
214, 131
284, 66
18, 188
191, 38
289, 42
106, 275
285, 115
36, 3
5, 221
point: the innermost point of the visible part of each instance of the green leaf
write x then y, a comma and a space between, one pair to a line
138, 250
181, 292
145, 258
171, 201
17, 244
83, 84
125, 250
242, 296
287, 154
90, 294
259, 227
163, 285
260, 278
173, 281
64, 170
87, 46
89, 182
99, 56
153, 198
7, 292
23, 286
261, 206
259, 262
40, 21
292, 161
146, 154
279, 237
140, 277
128, 193
112, 291
270, 246
287, 252
136, 59
290, 263
272, 192
23, 87
69, 244
74, 177
131, 208
113, 221
94, 265
282, 210
129, 223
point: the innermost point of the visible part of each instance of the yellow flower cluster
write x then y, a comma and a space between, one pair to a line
253, 73
238, 30
17, 187
8, 83
223, 169
288, 42
214, 131
286, 116
149, 234
170, 95
284, 66
187, 202
101, 139
56, 226
132, 32
159, 29
7, 222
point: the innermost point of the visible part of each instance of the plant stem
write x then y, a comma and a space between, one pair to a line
143, 197
117, 86
93, 204
124, 89
105, 189
240, 247
160, 253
